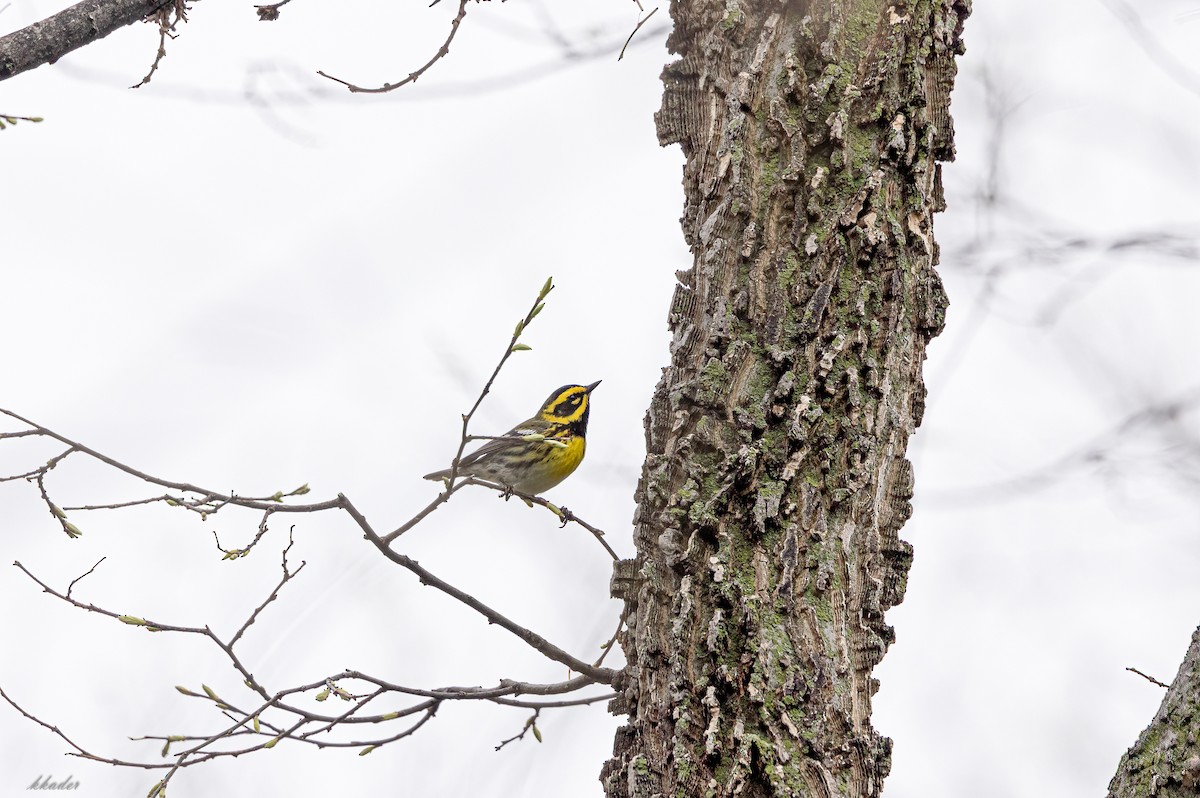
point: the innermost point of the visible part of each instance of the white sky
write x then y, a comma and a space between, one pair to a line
241, 277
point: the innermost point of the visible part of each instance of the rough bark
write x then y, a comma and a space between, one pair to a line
83, 23
775, 482
1165, 761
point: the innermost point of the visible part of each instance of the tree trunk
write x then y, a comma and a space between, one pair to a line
775, 481
1165, 761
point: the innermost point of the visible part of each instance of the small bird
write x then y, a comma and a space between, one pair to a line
530, 464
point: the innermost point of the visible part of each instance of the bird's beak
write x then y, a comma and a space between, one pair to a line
592, 387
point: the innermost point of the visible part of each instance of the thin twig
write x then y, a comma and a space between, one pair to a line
531, 723
534, 310
29, 475
287, 577
564, 515
451, 486
302, 724
570, 702
45, 725
1150, 679
211, 496
441, 499
612, 641
505, 688
71, 586
443, 51
69, 528
119, 505
167, 17
638, 27
359, 704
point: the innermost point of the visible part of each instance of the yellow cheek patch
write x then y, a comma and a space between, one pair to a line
553, 410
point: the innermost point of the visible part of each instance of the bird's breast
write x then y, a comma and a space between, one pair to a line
558, 464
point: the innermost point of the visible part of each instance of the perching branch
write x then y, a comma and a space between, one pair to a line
564, 515
261, 722
602, 675
272, 714
513, 346
452, 487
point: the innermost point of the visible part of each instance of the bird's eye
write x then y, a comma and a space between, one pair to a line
567, 406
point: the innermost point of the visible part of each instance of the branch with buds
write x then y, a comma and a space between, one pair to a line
260, 716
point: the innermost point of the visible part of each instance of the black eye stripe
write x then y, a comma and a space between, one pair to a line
568, 405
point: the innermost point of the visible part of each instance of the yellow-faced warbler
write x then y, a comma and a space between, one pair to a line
538, 453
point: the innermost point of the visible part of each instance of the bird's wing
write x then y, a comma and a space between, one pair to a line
507, 441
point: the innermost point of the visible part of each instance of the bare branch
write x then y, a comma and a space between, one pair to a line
273, 717
287, 577
46, 725
607, 647
569, 702
39, 477
20, 434
506, 688
636, 28
534, 310
31, 475
443, 51
465, 437
531, 723
167, 17
212, 500
564, 514
71, 586
442, 498
1150, 679
83, 23
120, 505
602, 675
251, 722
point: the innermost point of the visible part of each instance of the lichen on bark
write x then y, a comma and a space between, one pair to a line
1165, 760
775, 481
